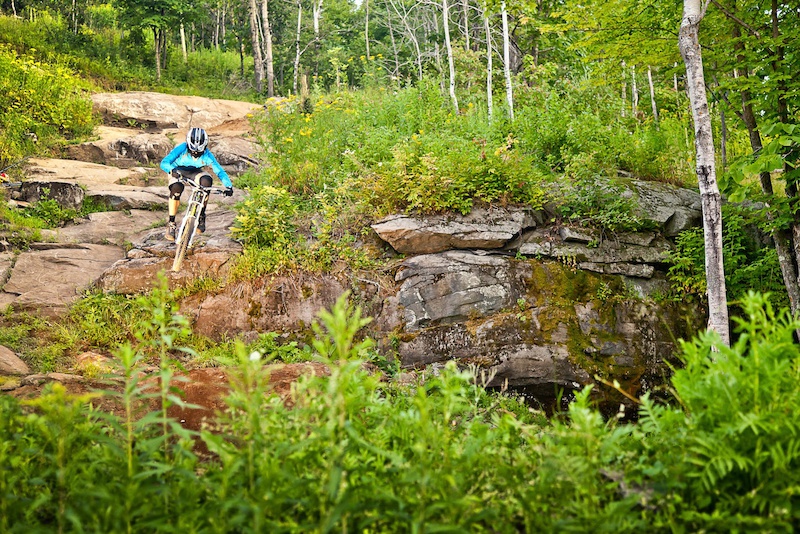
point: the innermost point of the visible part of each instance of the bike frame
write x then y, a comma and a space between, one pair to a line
191, 216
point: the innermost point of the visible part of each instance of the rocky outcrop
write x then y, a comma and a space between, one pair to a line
161, 111
277, 304
50, 278
531, 323
671, 209
454, 286
105, 227
482, 228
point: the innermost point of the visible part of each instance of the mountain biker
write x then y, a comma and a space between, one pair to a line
190, 158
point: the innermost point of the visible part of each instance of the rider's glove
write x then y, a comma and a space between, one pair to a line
228, 192
175, 173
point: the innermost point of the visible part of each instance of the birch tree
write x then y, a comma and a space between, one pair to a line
489, 96
653, 105
297, 50
183, 45
449, 47
689, 45
507, 61
268, 55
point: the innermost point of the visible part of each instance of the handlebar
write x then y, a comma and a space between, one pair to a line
188, 181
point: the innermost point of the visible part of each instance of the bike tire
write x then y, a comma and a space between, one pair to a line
182, 246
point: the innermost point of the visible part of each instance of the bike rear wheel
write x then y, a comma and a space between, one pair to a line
184, 240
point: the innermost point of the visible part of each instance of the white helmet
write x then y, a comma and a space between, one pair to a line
197, 140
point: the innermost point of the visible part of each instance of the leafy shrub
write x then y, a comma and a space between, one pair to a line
740, 434
749, 264
50, 213
600, 203
265, 218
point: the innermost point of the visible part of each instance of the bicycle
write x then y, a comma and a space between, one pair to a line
191, 216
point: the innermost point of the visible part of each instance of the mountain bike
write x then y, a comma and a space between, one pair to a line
191, 217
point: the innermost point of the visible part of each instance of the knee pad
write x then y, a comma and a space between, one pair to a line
175, 191
205, 180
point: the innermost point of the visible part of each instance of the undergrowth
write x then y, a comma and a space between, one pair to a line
351, 452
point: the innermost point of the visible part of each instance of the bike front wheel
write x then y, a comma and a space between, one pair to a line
184, 240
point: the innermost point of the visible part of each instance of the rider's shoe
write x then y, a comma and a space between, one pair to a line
201, 223
171, 229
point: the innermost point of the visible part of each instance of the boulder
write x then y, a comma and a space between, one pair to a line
141, 274
610, 256
672, 209
51, 278
129, 198
235, 154
485, 228
11, 364
161, 111
144, 148
93, 364
76, 172
68, 195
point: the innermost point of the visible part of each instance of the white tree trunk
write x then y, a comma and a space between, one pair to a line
465, 7
157, 41
297, 46
489, 97
689, 44
448, 46
634, 92
316, 15
652, 95
507, 61
624, 111
258, 65
268, 57
224, 26
217, 19
183, 45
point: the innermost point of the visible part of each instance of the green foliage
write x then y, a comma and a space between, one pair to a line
351, 452
48, 213
579, 130
39, 105
266, 217
741, 434
749, 265
600, 203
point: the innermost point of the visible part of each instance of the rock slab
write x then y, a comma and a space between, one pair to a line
51, 279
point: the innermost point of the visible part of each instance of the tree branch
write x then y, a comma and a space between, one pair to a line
752, 31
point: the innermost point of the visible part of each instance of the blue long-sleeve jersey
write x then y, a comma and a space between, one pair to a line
180, 157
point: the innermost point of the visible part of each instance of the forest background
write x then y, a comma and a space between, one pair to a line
509, 102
